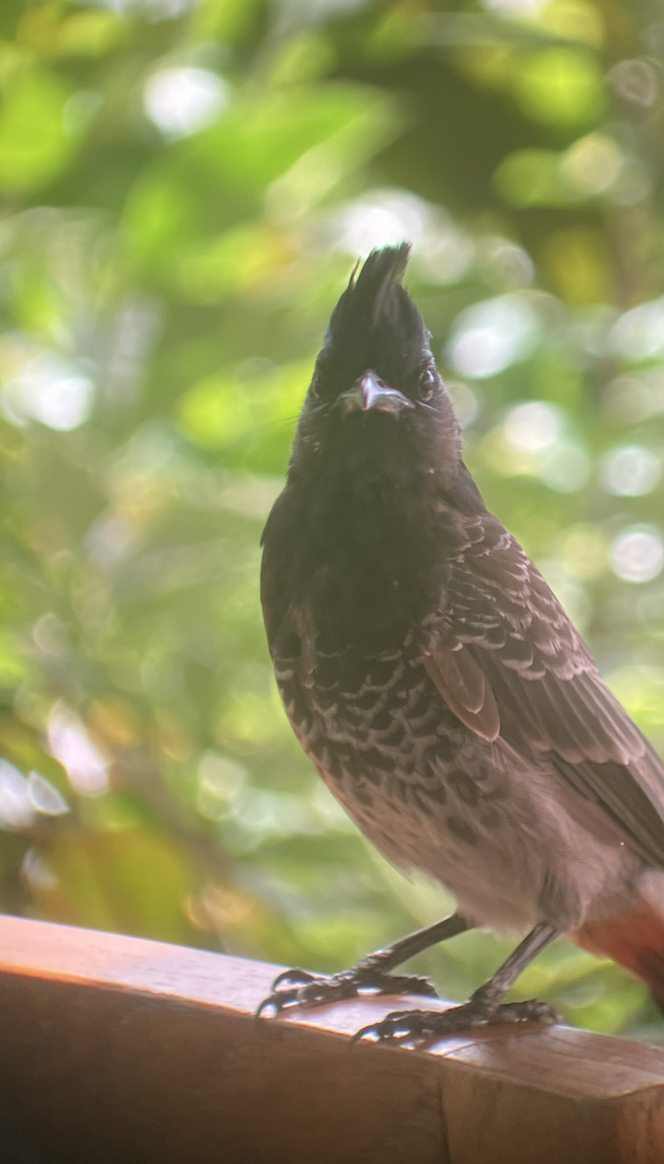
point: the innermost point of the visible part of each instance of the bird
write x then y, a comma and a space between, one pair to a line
440, 689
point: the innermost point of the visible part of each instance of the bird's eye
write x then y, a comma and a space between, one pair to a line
427, 384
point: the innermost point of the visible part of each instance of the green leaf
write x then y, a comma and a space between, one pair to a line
222, 412
34, 146
13, 666
263, 136
560, 87
531, 178
90, 34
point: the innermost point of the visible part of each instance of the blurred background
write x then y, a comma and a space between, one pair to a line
184, 187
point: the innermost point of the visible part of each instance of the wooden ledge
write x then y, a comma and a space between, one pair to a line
117, 1049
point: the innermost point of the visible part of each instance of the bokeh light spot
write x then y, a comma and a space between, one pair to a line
82, 760
383, 218
560, 86
515, 8
635, 81
565, 468
491, 335
45, 797
15, 808
182, 101
584, 551
592, 164
639, 333
533, 426
464, 400
637, 554
630, 471
630, 399
51, 390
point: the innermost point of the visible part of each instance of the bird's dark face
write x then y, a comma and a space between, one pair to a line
357, 538
376, 406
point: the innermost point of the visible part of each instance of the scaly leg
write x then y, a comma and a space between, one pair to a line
298, 988
417, 1027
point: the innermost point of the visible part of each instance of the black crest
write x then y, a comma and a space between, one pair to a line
375, 323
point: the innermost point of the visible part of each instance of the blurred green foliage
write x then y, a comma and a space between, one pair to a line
183, 189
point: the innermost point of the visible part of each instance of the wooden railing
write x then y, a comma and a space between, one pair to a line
118, 1050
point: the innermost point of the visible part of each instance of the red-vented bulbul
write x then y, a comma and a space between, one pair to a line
438, 686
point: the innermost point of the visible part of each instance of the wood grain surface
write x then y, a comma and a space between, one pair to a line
114, 1049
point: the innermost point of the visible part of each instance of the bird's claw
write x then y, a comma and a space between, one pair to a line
419, 1028
290, 978
297, 989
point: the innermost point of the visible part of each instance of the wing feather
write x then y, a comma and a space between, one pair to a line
542, 690
464, 687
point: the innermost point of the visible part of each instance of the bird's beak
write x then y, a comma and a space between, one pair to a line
369, 392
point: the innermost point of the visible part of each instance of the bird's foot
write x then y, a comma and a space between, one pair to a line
299, 989
419, 1028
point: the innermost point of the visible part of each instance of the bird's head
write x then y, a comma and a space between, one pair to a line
377, 404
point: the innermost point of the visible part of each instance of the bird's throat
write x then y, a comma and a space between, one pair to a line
370, 558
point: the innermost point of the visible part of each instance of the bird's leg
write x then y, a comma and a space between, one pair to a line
298, 988
418, 1027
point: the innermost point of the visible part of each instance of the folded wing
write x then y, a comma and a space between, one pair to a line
507, 660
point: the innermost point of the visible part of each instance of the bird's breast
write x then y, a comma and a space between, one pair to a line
373, 722
407, 771
433, 797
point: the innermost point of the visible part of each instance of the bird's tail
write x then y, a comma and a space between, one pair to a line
635, 940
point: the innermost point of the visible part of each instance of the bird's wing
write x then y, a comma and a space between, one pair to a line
508, 662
